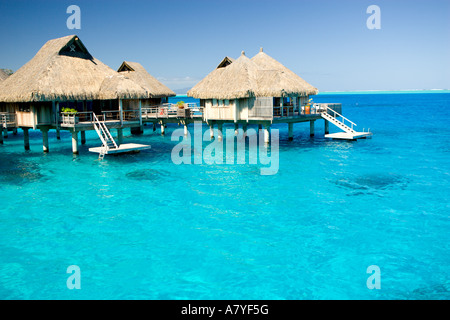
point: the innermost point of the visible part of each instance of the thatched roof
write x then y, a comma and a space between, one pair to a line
261, 76
64, 70
136, 72
119, 86
3, 75
280, 79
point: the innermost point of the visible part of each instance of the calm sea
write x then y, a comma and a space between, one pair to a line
140, 227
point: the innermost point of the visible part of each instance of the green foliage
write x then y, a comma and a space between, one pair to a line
69, 110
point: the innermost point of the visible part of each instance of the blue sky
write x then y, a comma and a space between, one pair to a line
326, 42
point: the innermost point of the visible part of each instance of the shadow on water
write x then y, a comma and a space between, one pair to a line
147, 174
19, 172
372, 183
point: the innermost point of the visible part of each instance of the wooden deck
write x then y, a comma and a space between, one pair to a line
123, 148
349, 136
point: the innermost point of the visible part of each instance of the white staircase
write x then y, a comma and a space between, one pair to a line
109, 145
105, 136
348, 126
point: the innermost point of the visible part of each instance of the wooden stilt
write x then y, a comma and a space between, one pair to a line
26, 138
211, 130
45, 140
291, 130
119, 136
75, 142
327, 127
267, 133
219, 131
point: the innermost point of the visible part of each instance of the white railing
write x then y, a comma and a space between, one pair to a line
338, 115
103, 132
168, 110
7, 119
71, 118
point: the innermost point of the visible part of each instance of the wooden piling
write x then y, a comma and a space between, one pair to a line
75, 142
26, 138
45, 147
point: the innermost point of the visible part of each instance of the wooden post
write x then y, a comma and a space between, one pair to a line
219, 131
281, 106
140, 114
14, 131
45, 140
119, 136
211, 130
291, 130
311, 128
162, 129
154, 126
327, 127
75, 142
121, 112
236, 129
58, 134
1, 137
185, 129
266, 133
26, 138
5, 132
83, 137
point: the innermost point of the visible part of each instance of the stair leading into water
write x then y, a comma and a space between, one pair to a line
348, 126
109, 145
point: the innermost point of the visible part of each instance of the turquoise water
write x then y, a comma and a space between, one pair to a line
139, 226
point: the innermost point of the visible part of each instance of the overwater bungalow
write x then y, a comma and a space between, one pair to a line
6, 121
259, 91
158, 93
64, 87
251, 91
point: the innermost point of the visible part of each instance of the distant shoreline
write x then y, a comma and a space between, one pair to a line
371, 92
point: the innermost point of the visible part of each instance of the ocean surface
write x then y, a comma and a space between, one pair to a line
141, 227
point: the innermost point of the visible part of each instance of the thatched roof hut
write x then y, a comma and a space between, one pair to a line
3, 75
63, 70
261, 76
136, 72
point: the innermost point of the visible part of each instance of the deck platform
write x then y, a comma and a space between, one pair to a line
349, 136
123, 148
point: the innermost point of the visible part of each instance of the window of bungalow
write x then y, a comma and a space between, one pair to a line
220, 103
227, 103
214, 103
24, 107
